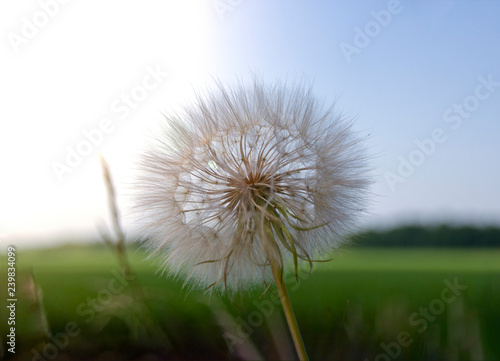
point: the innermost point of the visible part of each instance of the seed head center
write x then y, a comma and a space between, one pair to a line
258, 184
249, 191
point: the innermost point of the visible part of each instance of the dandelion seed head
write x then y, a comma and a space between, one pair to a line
246, 175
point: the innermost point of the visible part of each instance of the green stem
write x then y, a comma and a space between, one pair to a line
287, 308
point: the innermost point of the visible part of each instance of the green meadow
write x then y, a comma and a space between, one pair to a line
366, 304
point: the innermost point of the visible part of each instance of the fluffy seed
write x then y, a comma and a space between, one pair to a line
246, 175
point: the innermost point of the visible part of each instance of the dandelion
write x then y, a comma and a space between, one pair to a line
247, 181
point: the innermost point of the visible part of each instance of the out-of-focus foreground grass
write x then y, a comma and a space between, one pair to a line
384, 304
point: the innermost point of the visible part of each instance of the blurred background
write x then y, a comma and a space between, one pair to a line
421, 79
403, 69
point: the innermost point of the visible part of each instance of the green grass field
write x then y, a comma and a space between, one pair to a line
374, 304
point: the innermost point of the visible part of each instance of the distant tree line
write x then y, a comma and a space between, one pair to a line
438, 236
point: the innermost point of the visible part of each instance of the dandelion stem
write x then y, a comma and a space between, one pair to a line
287, 308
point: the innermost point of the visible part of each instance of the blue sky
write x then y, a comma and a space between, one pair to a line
429, 68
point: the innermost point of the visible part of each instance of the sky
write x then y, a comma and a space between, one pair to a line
79, 79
